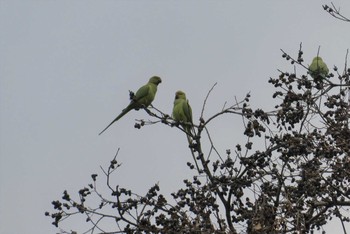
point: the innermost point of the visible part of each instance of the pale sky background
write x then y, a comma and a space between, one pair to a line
66, 68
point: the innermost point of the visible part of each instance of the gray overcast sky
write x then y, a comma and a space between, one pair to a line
66, 68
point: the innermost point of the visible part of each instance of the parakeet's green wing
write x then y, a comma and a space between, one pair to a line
187, 111
142, 92
179, 111
145, 95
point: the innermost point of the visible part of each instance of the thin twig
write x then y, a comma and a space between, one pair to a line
206, 98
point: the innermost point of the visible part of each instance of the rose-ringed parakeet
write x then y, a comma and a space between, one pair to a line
318, 69
182, 112
142, 99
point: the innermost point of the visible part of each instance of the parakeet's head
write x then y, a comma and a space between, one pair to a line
317, 59
180, 95
155, 80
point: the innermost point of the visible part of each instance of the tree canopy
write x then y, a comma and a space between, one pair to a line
296, 183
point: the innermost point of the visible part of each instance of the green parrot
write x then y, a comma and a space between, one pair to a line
318, 69
182, 112
143, 98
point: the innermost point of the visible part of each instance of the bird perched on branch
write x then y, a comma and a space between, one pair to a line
182, 112
142, 99
318, 69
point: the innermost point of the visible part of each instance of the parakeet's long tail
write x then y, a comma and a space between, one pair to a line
124, 112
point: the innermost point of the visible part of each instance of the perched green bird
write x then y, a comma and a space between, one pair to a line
182, 112
143, 98
318, 69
